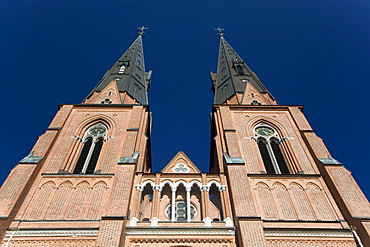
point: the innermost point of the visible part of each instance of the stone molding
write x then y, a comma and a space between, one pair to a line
98, 111
180, 230
53, 233
174, 185
129, 160
309, 233
232, 160
31, 159
330, 161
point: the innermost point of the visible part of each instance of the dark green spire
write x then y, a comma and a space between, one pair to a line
233, 74
129, 73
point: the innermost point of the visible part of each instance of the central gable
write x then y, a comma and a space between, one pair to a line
181, 164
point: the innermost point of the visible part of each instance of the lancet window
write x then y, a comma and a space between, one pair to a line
93, 141
268, 141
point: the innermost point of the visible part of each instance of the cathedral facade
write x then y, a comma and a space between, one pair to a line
271, 181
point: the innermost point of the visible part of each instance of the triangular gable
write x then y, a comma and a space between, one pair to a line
253, 96
109, 95
181, 164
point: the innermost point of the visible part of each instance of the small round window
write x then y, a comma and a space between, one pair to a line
181, 211
180, 168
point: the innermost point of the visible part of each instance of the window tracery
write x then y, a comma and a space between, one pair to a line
93, 141
268, 141
181, 211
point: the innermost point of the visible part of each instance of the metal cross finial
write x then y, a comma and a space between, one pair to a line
142, 30
220, 33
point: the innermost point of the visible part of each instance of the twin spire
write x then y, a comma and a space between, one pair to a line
128, 83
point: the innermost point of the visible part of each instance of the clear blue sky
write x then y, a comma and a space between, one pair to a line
312, 53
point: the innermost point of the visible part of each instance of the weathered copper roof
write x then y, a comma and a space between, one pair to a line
232, 75
129, 72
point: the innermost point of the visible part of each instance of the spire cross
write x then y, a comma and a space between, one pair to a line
142, 30
220, 33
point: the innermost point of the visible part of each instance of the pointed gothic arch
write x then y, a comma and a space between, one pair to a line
93, 140
268, 141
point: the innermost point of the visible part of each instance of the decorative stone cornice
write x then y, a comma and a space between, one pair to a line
309, 233
53, 233
182, 241
180, 230
188, 186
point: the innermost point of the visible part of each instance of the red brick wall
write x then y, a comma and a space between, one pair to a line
252, 234
310, 243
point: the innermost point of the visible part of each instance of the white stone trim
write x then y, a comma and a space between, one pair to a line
309, 233
180, 231
218, 185
174, 185
52, 233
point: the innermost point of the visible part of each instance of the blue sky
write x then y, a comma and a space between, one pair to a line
311, 53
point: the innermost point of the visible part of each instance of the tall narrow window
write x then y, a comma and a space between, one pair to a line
265, 154
269, 145
93, 142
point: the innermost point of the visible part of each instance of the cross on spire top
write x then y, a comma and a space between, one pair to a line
141, 32
220, 33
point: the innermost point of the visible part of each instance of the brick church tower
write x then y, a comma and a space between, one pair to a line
272, 182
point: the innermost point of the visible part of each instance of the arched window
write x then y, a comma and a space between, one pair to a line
268, 142
146, 203
93, 142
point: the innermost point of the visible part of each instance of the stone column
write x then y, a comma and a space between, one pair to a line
156, 201
173, 200
188, 204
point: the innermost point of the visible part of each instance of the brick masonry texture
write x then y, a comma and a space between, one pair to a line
311, 243
180, 241
110, 233
292, 201
43, 143
367, 226
76, 242
241, 191
317, 145
299, 118
349, 190
13, 187
51, 202
252, 234
119, 199
61, 116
